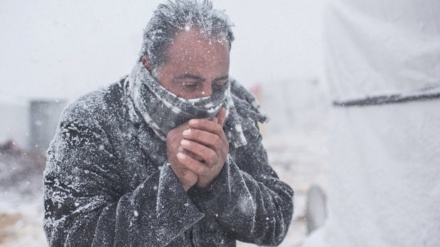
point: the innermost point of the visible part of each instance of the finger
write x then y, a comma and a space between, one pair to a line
187, 152
188, 179
208, 139
206, 125
183, 173
187, 175
207, 155
221, 116
192, 164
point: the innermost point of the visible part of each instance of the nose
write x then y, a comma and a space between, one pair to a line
206, 90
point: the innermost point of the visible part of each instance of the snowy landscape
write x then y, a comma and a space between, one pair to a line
375, 155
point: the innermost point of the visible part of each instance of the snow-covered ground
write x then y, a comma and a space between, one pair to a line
299, 159
21, 203
21, 221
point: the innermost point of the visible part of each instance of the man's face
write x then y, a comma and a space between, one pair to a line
195, 66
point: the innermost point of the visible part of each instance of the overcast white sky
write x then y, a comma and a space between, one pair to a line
63, 49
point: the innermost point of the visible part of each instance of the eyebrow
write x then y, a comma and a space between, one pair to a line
196, 77
225, 77
189, 76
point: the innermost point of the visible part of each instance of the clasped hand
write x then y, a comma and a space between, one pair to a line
197, 150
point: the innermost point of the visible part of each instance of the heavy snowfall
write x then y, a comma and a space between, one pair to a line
351, 87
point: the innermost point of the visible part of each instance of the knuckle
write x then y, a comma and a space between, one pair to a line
218, 128
187, 176
214, 159
201, 170
187, 164
196, 134
207, 171
218, 143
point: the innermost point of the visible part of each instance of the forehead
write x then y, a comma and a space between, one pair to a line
190, 45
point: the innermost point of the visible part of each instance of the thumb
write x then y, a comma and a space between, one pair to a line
221, 116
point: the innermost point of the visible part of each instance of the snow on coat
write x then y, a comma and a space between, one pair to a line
107, 183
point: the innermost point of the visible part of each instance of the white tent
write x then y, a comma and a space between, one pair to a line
383, 63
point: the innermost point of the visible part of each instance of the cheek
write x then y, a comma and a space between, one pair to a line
164, 77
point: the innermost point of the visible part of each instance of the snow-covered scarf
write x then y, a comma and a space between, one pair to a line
164, 111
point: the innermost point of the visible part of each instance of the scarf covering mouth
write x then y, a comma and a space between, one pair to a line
164, 111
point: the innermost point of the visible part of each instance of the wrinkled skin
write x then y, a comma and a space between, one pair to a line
198, 150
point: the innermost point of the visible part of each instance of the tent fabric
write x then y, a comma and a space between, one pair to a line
384, 177
382, 47
384, 171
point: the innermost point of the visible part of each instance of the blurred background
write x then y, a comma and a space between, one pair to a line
52, 52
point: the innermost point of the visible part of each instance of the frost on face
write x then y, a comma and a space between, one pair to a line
183, 16
108, 179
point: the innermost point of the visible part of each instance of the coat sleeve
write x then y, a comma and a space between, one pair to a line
248, 199
86, 205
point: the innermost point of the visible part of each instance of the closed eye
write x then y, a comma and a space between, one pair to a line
220, 83
189, 81
191, 85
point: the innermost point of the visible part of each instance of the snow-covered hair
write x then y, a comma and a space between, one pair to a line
177, 15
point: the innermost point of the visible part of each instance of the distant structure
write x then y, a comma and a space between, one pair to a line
44, 116
30, 125
14, 123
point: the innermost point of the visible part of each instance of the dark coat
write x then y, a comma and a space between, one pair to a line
107, 183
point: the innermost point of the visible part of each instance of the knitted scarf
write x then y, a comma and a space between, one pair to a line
164, 111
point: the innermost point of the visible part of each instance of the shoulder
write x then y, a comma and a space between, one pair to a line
95, 107
247, 107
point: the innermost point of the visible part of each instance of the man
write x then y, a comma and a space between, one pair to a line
170, 155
